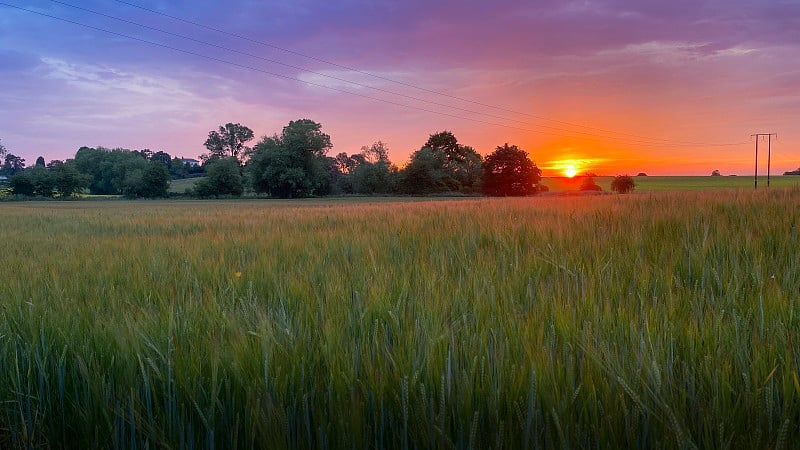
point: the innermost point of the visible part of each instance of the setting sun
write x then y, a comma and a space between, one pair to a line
572, 166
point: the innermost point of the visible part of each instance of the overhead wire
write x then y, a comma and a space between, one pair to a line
354, 83
256, 69
638, 141
777, 156
411, 85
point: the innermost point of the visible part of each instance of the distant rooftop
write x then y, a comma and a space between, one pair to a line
190, 161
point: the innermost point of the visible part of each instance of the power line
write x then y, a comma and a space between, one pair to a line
410, 97
243, 66
638, 140
414, 86
251, 55
314, 58
784, 157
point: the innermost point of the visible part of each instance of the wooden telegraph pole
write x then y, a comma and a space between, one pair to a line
769, 156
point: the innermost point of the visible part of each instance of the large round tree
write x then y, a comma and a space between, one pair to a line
508, 171
461, 164
293, 164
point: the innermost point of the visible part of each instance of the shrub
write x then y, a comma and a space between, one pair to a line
22, 184
223, 177
149, 182
623, 184
588, 184
35, 181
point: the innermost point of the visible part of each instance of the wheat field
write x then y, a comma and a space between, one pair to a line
647, 320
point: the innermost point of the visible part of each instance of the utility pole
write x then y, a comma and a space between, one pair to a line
769, 156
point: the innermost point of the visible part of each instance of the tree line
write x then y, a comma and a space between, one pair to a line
295, 163
292, 164
101, 171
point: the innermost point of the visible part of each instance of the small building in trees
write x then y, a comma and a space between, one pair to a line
190, 162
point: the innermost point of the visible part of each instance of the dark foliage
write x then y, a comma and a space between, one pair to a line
12, 165
61, 179
623, 184
150, 181
223, 178
229, 141
588, 184
509, 172
293, 164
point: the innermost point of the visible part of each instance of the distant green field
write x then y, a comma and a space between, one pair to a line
180, 186
563, 184
643, 184
683, 183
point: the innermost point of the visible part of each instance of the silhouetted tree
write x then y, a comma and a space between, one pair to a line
345, 163
40, 161
463, 166
716, 173
509, 171
425, 174
375, 153
163, 158
12, 164
623, 184
588, 184
340, 169
230, 140
445, 142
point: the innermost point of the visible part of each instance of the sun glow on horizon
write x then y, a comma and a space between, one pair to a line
573, 166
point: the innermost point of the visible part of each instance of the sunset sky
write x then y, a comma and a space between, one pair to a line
662, 87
